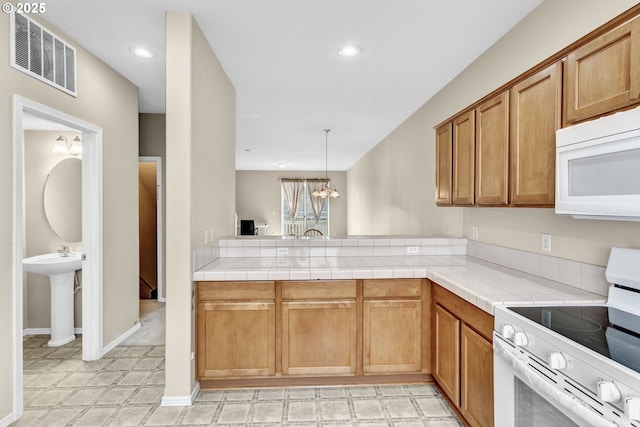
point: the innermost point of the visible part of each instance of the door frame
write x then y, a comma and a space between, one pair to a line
159, 221
92, 234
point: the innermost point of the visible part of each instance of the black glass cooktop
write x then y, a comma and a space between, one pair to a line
613, 333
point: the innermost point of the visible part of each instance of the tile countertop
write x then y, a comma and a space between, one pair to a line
481, 283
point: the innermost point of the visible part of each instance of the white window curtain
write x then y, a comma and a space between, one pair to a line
317, 203
292, 189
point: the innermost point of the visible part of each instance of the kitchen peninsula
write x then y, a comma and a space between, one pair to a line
369, 309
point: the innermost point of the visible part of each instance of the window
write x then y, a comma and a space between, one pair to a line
305, 218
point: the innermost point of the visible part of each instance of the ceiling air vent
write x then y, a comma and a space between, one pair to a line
41, 54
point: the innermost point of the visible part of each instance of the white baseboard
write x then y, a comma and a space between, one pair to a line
113, 344
6, 421
45, 331
181, 400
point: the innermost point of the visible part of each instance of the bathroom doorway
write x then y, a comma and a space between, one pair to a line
150, 228
91, 229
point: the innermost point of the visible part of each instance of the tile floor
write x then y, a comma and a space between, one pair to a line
125, 387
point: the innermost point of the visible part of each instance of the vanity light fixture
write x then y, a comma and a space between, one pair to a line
349, 50
63, 145
326, 190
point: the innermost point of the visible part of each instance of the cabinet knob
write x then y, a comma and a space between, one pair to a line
556, 360
632, 408
520, 339
609, 392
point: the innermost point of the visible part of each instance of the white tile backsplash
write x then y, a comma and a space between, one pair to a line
530, 263
549, 267
573, 273
569, 272
593, 279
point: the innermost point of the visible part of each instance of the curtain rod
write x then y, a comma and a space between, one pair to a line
302, 179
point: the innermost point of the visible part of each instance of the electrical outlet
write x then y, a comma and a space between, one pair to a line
282, 251
545, 242
413, 249
474, 232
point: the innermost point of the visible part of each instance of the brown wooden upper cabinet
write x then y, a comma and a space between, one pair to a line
492, 151
464, 158
535, 117
604, 75
443, 164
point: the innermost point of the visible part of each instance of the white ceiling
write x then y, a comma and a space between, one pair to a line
281, 56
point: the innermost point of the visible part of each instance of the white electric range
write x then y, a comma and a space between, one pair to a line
572, 365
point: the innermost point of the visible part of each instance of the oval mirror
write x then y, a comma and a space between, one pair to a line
63, 199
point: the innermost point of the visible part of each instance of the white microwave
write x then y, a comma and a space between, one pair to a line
598, 168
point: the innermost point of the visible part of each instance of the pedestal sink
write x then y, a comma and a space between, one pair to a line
60, 270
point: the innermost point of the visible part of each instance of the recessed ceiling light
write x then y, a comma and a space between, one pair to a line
349, 50
282, 165
142, 52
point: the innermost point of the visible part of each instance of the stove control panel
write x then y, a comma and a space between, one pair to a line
586, 371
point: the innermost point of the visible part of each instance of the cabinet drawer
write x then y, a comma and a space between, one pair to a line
228, 291
318, 289
392, 288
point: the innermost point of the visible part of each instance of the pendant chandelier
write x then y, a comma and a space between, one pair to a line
326, 190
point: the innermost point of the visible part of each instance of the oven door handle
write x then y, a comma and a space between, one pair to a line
569, 402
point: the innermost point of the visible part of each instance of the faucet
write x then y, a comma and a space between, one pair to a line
64, 251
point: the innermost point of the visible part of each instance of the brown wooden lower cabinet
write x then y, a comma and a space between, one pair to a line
446, 352
392, 336
319, 338
240, 339
476, 375
462, 355
322, 328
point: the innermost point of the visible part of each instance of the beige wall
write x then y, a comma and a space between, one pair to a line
200, 149
107, 100
40, 238
258, 198
404, 162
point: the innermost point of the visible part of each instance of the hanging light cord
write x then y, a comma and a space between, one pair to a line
326, 155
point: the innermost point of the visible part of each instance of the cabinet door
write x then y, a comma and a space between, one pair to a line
319, 338
604, 75
446, 352
477, 378
535, 117
443, 164
392, 336
492, 151
463, 159
235, 339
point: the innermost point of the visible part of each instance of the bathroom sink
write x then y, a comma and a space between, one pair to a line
53, 263
60, 270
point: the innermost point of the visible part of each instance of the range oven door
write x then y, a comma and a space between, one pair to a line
524, 396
